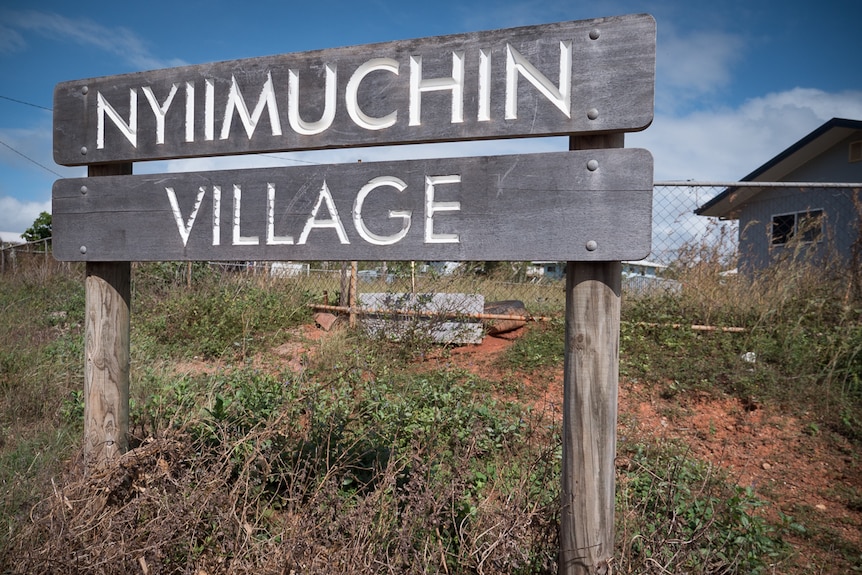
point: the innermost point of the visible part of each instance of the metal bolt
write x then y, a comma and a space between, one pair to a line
83, 249
592, 165
594, 34
83, 150
592, 113
84, 190
85, 89
592, 246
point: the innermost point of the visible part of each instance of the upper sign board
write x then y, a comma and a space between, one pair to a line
565, 78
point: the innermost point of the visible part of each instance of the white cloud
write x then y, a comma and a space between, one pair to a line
691, 66
701, 61
28, 148
10, 40
119, 41
16, 216
727, 144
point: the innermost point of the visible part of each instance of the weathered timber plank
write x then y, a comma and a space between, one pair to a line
553, 79
584, 205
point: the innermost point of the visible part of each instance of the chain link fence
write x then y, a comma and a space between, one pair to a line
676, 229
26, 257
678, 235
536, 288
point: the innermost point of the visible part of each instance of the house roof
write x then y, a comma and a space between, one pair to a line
727, 204
646, 263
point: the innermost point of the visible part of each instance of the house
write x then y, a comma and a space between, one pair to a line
644, 277
440, 268
643, 268
546, 269
289, 269
818, 221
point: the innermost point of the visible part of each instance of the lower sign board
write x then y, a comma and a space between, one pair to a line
592, 205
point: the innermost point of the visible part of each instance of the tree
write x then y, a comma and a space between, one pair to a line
40, 230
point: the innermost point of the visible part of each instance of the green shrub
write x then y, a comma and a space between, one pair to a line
677, 515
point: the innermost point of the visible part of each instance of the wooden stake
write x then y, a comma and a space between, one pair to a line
106, 349
590, 379
351, 303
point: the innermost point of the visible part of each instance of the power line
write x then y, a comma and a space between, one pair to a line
289, 159
26, 103
29, 159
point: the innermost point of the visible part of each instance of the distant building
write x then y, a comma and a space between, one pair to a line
644, 276
642, 268
289, 269
440, 268
817, 221
546, 269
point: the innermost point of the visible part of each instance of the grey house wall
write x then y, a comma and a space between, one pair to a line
840, 208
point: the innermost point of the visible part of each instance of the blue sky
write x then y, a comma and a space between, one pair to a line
737, 81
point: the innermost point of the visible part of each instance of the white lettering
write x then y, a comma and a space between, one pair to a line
405, 215
216, 215
130, 130
334, 222
299, 125
160, 110
455, 83
236, 102
517, 64
238, 238
432, 207
209, 110
351, 97
185, 229
190, 112
271, 238
484, 114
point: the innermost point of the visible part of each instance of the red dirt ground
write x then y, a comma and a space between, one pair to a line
813, 475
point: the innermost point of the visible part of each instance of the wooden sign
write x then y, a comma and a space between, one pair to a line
578, 206
555, 79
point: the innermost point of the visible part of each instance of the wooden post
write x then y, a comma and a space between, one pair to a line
344, 294
590, 379
352, 299
106, 349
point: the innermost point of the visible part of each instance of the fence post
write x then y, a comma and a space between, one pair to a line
344, 294
352, 300
106, 349
590, 379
